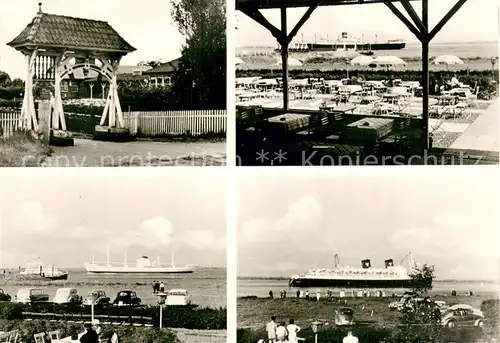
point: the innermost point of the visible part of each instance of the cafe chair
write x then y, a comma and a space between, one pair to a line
54, 335
39, 337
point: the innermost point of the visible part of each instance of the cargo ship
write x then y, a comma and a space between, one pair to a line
365, 277
345, 43
143, 265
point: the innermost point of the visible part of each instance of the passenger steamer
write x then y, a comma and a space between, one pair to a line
365, 277
345, 43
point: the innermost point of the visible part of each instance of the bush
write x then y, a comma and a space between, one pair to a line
490, 308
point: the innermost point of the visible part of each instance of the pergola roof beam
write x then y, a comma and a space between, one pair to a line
256, 15
413, 15
276, 4
446, 18
403, 18
302, 20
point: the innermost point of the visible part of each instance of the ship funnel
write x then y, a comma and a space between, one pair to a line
366, 264
389, 263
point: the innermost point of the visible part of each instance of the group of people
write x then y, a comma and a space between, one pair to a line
158, 287
92, 334
280, 332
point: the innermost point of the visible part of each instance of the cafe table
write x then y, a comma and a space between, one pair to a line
289, 121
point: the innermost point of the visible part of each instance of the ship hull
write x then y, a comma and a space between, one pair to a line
132, 270
57, 277
353, 283
359, 47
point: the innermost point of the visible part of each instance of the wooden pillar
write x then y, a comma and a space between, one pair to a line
27, 120
44, 111
284, 58
425, 73
58, 123
112, 109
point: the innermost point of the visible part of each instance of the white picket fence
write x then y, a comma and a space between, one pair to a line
196, 122
9, 122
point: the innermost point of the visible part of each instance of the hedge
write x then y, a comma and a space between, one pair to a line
173, 316
126, 334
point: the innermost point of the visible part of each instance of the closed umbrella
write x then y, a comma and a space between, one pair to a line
361, 60
448, 60
387, 61
238, 61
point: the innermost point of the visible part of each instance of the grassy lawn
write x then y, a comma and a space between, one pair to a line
22, 150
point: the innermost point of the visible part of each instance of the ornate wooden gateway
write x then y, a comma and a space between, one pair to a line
54, 46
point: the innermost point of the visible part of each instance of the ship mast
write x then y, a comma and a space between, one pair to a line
107, 256
336, 261
173, 255
125, 259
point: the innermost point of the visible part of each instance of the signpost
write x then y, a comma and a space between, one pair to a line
161, 301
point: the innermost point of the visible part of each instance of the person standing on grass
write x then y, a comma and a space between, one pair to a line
271, 330
292, 329
162, 287
350, 338
281, 332
90, 336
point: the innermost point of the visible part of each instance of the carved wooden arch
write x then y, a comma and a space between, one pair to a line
103, 70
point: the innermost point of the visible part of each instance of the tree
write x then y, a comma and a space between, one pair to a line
420, 319
200, 78
4, 79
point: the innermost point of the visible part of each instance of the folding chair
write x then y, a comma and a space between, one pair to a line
39, 337
54, 335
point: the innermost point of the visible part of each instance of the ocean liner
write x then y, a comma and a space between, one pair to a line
345, 43
365, 277
143, 265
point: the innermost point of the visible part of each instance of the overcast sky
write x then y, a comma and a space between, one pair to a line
294, 220
477, 20
64, 217
146, 25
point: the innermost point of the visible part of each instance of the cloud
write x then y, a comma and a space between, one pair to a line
202, 240
151, 233
36, 220
463, 233
303, 215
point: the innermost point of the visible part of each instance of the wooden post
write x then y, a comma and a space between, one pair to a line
44, 113
28, 119
284, 58
425, 73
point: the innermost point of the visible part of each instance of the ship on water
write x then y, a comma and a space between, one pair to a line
391, 276
345, 43
36, 270
143, 265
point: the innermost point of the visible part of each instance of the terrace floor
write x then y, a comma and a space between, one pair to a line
482, 134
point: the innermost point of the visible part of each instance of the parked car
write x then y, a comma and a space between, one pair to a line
4, 296
67, 296
31, 295
127, 298
97, 298
462, 316
344, 316
178, 297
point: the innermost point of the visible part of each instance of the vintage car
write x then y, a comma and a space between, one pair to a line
4, 296
31, 295
344, 316
127, 298
67, 296
462, 315
97, 298
177, 297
